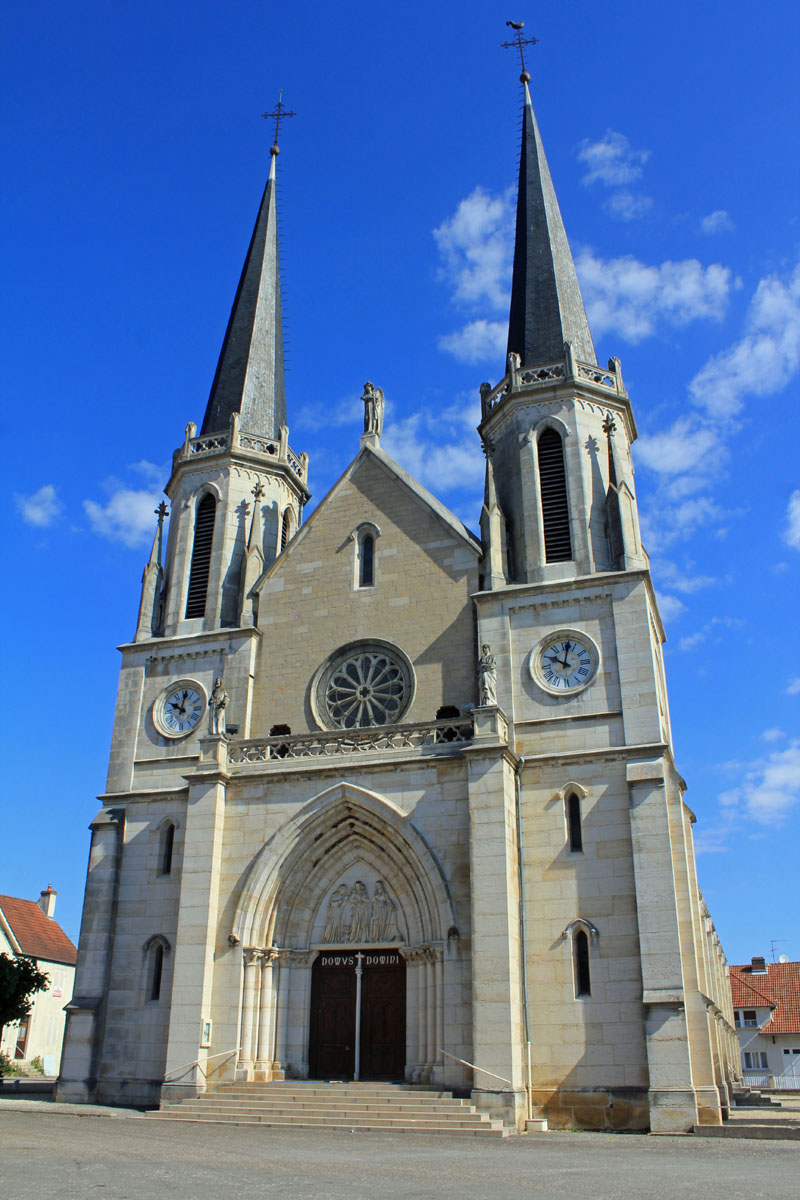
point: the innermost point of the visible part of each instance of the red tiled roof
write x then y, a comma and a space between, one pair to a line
37, 935
779, 988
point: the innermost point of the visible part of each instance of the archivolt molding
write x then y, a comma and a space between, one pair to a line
570, 789
297, 868
581, 923
551, 421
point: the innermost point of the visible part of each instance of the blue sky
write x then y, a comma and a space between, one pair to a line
136, 160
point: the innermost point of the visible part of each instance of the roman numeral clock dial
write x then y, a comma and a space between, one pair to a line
564, 663
179, 709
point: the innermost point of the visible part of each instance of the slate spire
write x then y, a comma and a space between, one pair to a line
546, 305
249, 376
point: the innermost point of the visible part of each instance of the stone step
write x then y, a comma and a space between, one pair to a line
762, 1130
482, 1129
332, 1090
409, 1110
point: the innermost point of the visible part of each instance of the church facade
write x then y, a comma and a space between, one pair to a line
391, 801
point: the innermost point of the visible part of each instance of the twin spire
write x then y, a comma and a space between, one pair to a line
546, 305
249, 377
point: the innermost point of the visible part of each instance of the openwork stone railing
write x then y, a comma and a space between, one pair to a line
569, 368
333, 743
235, 439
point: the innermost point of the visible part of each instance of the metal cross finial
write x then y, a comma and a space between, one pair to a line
161, 513
519, 41
280, 112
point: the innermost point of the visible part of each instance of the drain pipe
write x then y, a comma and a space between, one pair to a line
523, 939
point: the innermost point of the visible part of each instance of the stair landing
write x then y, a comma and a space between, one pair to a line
367, 1107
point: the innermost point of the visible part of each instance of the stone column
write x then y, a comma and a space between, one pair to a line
422, 1027
496, 952
193, 973
438, 1057
281, 1017
673, 1108
266, 1027
83, 1034
250, 1008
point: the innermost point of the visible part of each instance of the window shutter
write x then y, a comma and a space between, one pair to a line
553, 490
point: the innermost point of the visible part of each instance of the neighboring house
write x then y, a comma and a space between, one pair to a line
27, 927
766, 1002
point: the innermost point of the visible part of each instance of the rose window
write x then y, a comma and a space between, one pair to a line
364, 685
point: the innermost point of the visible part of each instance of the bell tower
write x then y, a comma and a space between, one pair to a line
568, 609
558, 427
237, 490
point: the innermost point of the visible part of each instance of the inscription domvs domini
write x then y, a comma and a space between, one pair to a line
353, 917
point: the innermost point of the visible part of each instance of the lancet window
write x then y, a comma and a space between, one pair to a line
201, 557
553, 492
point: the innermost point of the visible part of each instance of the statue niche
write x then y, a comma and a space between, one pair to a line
353, 918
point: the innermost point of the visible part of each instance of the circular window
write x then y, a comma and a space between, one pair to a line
366, 683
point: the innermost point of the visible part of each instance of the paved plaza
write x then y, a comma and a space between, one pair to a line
64, 1156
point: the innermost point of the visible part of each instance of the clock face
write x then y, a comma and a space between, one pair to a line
179, 710
565, 663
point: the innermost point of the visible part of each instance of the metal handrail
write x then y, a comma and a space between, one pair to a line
482, 1070
198, 1063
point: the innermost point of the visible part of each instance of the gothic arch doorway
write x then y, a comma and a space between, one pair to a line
357, 1026
344, 840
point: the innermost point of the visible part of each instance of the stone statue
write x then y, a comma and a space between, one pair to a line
486, 391
382, 922
374, 405
487, 677
514, 363
217, 703
359, 912
333, 924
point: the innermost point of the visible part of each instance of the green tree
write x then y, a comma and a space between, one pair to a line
20, 980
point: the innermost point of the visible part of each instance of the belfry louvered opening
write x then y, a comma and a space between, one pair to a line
201, 557
553, 490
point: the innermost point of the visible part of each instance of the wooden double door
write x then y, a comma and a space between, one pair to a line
382, 1023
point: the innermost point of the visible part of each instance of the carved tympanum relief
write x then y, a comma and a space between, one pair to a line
353, 917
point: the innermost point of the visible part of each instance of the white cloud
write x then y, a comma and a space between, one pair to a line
792, 532
793, 686
764, 360
479, 341
127, 516
772, 735
635, 299
690, 455
684, 446
452, 465
770, 788
682, 580
349, 410
611, 160
712, 627
627, 206
476, 247
718, 221
670, 607
42, 508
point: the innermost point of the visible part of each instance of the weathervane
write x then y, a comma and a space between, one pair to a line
280, 112
519, 41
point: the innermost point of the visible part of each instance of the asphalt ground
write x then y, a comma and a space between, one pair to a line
46, 1155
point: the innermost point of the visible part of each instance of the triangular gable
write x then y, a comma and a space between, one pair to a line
424, 497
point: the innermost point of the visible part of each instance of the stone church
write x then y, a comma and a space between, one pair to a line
388, 800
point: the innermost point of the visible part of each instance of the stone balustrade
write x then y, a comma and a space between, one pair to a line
433, 737
568, 368
234, 439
